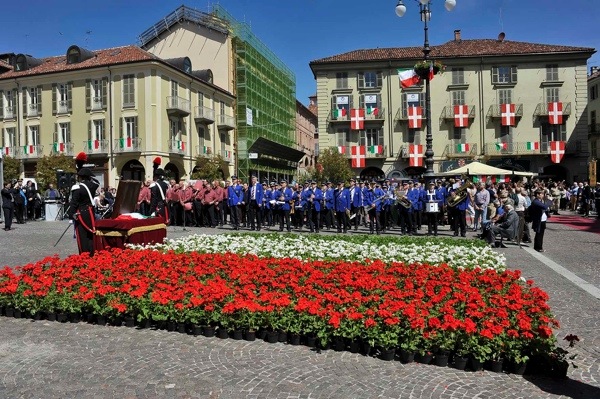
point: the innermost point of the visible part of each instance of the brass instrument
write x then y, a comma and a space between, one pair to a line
461, 194
374, 205
292, 207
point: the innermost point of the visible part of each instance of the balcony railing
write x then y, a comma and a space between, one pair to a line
203, 150
178, 106
516, 148
97, 104
9, 112
448, 112
62, 107
467, 150
127, 144
542, 109
96, 146
495, 112
177, 147
339, 116
8, 152
375, 114
204, 115
371, 151
32, 110
30, 151
62, 148
402, 115
227, 156
226, 122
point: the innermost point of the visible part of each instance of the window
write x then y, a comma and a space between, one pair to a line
130, 127
594, 92
413, 99
174, 89
505, 96
96, 94
593, 118
9, 139
594, 148
61, 98
63, 133
97, 132
10, 104
223, 108
175, 128
223, 138
341, 80
458, 97
73, 55
342, 102
552, 94
506, 135
369, 80
187, 65
504, 75
371, 137
552, 73
200, 99
201, 138
552, 133
128, 91
458, 76
414, 136
459, 135
342, 137
371, 103
33, 135
33, 101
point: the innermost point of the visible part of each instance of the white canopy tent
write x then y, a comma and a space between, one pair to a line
481, 169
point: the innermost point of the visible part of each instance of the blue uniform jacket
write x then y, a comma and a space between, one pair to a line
342, 200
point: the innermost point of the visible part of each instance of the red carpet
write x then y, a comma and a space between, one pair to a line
590, 224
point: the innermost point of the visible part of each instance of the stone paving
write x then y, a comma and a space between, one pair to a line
41, 359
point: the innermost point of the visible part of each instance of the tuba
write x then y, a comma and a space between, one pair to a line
402, 200
461, 194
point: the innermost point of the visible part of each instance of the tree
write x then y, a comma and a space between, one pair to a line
332, 166
47, 167
12, 168
210, 168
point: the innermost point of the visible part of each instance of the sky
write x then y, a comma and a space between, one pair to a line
300, 31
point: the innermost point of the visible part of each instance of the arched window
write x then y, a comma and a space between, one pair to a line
21, 63
187, 65
73, 55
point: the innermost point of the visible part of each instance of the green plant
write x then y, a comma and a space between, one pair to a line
438, 67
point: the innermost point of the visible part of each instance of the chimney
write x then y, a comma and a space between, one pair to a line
594, 69
457, 35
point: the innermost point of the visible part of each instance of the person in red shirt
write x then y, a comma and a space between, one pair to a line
210, 198
186, 198
197, 204
173, 201
220, 193
143, 202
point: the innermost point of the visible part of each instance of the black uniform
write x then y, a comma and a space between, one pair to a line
81, 210
8, 206
158, 202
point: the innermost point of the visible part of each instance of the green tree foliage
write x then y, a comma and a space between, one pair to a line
332, 166
210, 168
47, 167
12, 168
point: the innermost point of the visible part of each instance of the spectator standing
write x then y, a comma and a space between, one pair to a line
539, 214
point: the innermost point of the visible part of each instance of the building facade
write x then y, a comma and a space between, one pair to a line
265, 136
306, 130
485, 78
122, 106
594, 117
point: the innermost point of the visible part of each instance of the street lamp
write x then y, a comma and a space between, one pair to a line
425, 11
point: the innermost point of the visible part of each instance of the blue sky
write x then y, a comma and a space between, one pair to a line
299, 31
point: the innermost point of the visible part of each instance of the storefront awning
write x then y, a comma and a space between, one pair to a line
264, 146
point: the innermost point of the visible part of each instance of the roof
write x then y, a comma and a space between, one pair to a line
454, 49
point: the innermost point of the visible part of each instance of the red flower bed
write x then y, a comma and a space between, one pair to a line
414, 307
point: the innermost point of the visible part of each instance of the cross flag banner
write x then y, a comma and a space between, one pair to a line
342, 149
375, 149
415, 155
557, 150
507, 114
358, 156
533, 145
555, 113
461, 115
408, 78
339, 112
462, 148
415, 117
357, 119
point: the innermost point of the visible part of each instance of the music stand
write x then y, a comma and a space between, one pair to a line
126, 199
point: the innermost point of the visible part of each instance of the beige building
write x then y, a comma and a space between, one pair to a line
481, 75
306, 128
594, 114
122, 106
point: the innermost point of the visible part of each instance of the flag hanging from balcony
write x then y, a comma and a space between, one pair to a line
462, 148
93, 144
205, 150
557, 150
501, 146
375, 149
555, 113
126, 142
341, 149
6, 150
461, 115
507, 114
181, 145
415, 117
358, 156
415, 155
227, 154
59, 147
28, 149
339, 112
357, 119
533, 145
408, 78
372, 110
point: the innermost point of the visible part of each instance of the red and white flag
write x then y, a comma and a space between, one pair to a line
555, 113
357, 118
557, 150
408, 78
415, 117
415, 155
461, 115
358, 156
507, 114
341, 149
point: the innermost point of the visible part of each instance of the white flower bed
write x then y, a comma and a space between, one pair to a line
313, 248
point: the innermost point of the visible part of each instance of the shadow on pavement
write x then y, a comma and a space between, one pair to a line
565, 387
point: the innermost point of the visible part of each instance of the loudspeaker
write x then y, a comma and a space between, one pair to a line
65, 180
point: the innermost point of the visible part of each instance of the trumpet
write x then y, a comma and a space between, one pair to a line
374, 204
292, 207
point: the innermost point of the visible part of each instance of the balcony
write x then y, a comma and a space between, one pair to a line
127, 144
225, 122
334, 117
203, 150
494, 111
204, 115
542, 109
97, 104
30, 151
96, 147
227, 156
467, 150
515, 148
376, 114
178, 106
62, 107
62, 148
448, 112
177, 147
371, 151
402, 115
8, 152
33, 110
9, 112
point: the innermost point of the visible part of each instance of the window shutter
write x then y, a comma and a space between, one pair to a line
379, 79
134, 134
56, 133
361, 79
1, 104
333, 102
69, 95
88, 94
494, 74
513, 74
361, 101
90, 137
54, 88
379, 103
104, 94
351, 101
121, 131
39, 99
24, 102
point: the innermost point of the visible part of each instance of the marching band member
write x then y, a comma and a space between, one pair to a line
314, 217
285, 200
414, 197
432, 197
256, 202
404, 213
355, 202
342, 205
236, 197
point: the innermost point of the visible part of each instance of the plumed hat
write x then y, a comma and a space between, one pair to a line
156, 163
80, 160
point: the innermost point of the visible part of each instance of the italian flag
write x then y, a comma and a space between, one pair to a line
408, 78
205, 150
7, 150
181, 145
125, 142
93, 144
28, 149
533, 145
501, 146
462, 148
375, 149
372, 111
227, 154
341, 149
59, 147
339, 112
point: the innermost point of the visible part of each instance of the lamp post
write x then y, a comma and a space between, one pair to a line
425, 11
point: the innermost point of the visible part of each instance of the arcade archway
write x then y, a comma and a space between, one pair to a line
133, 170
371, 172
172, 171
556, 172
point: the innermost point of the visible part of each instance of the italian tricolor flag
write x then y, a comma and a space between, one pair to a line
126, 142
227, 154
372, 111
341, 149
28, 149
501, 146
462, 148
339, 112
375, 149
533, 145
408, 78
6, 150
59, 147
93, 144
205, 149
181, 145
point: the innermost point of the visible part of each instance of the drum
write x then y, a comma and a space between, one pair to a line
51, 211
432, 207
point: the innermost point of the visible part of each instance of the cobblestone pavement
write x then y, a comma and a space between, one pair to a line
40, 359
